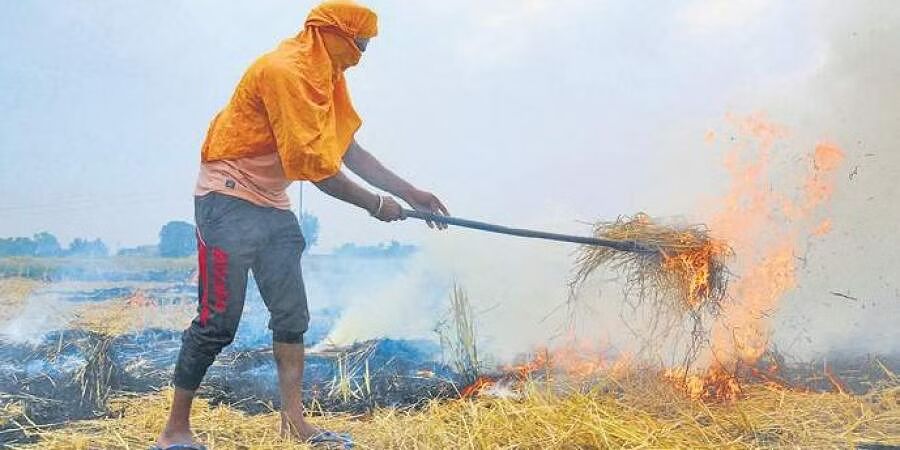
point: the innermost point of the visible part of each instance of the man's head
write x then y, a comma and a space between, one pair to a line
346, 28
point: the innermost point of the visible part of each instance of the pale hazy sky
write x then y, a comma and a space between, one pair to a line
517, 111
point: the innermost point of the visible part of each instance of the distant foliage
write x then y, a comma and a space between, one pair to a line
16, 247
46, 244
392, 250
309, 225
177, 239
42, 244
85, 248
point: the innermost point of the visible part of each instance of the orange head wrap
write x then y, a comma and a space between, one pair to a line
305, 113
336, 23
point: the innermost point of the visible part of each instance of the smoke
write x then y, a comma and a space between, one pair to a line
512, 284
853, 100
518, 290
395, 305
40, 314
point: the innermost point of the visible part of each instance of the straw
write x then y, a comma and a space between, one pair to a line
688, 274
636, 412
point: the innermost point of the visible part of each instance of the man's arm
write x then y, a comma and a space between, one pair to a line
343, 188
373, 172
370, 169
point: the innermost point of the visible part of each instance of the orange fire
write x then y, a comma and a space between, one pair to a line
765, 222
478, 386
514, 375
693, 268
715, 384
574, 361
765, 226
139, 299
823, 228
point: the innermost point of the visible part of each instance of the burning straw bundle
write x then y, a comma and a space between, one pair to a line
679, 273
686, 270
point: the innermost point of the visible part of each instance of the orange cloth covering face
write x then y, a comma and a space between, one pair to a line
294, 100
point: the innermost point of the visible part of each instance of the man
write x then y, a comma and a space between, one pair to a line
290, 118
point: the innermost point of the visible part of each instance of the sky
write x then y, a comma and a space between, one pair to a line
517, 112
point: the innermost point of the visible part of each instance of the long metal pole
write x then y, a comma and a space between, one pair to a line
625, 246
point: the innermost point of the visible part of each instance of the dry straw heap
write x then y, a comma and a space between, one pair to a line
640, 412
685, 273
680, 278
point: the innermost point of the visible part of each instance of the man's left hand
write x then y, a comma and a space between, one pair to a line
427, 202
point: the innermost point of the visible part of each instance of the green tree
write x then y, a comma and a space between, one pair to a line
177, 239
20, 246
91, 249
46, 244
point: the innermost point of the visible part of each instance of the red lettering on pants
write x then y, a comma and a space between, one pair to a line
220, 278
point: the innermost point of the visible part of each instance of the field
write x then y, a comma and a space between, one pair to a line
112, 268
98, 377
633, 414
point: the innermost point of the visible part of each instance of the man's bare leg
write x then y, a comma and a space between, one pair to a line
289, 359
178, 427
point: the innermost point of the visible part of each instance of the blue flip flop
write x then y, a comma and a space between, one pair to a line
179, 447
328, 438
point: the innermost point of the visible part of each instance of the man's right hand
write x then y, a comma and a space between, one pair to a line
389, 211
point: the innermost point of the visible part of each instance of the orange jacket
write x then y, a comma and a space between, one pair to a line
294, 100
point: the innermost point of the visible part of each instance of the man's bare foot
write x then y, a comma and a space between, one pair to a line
169, 438
293, 425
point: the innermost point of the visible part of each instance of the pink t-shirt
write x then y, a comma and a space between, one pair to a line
257, 179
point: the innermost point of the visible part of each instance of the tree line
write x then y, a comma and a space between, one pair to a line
46, 244
176, 239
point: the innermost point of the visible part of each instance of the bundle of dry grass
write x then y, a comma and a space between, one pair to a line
634, 413
97, 376
686, 274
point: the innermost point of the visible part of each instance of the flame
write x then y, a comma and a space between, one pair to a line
514, 375
693, 267
522, 371
765, 227
477, 387
575, 361
139, 300
820, 186
716, 384
823, 228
